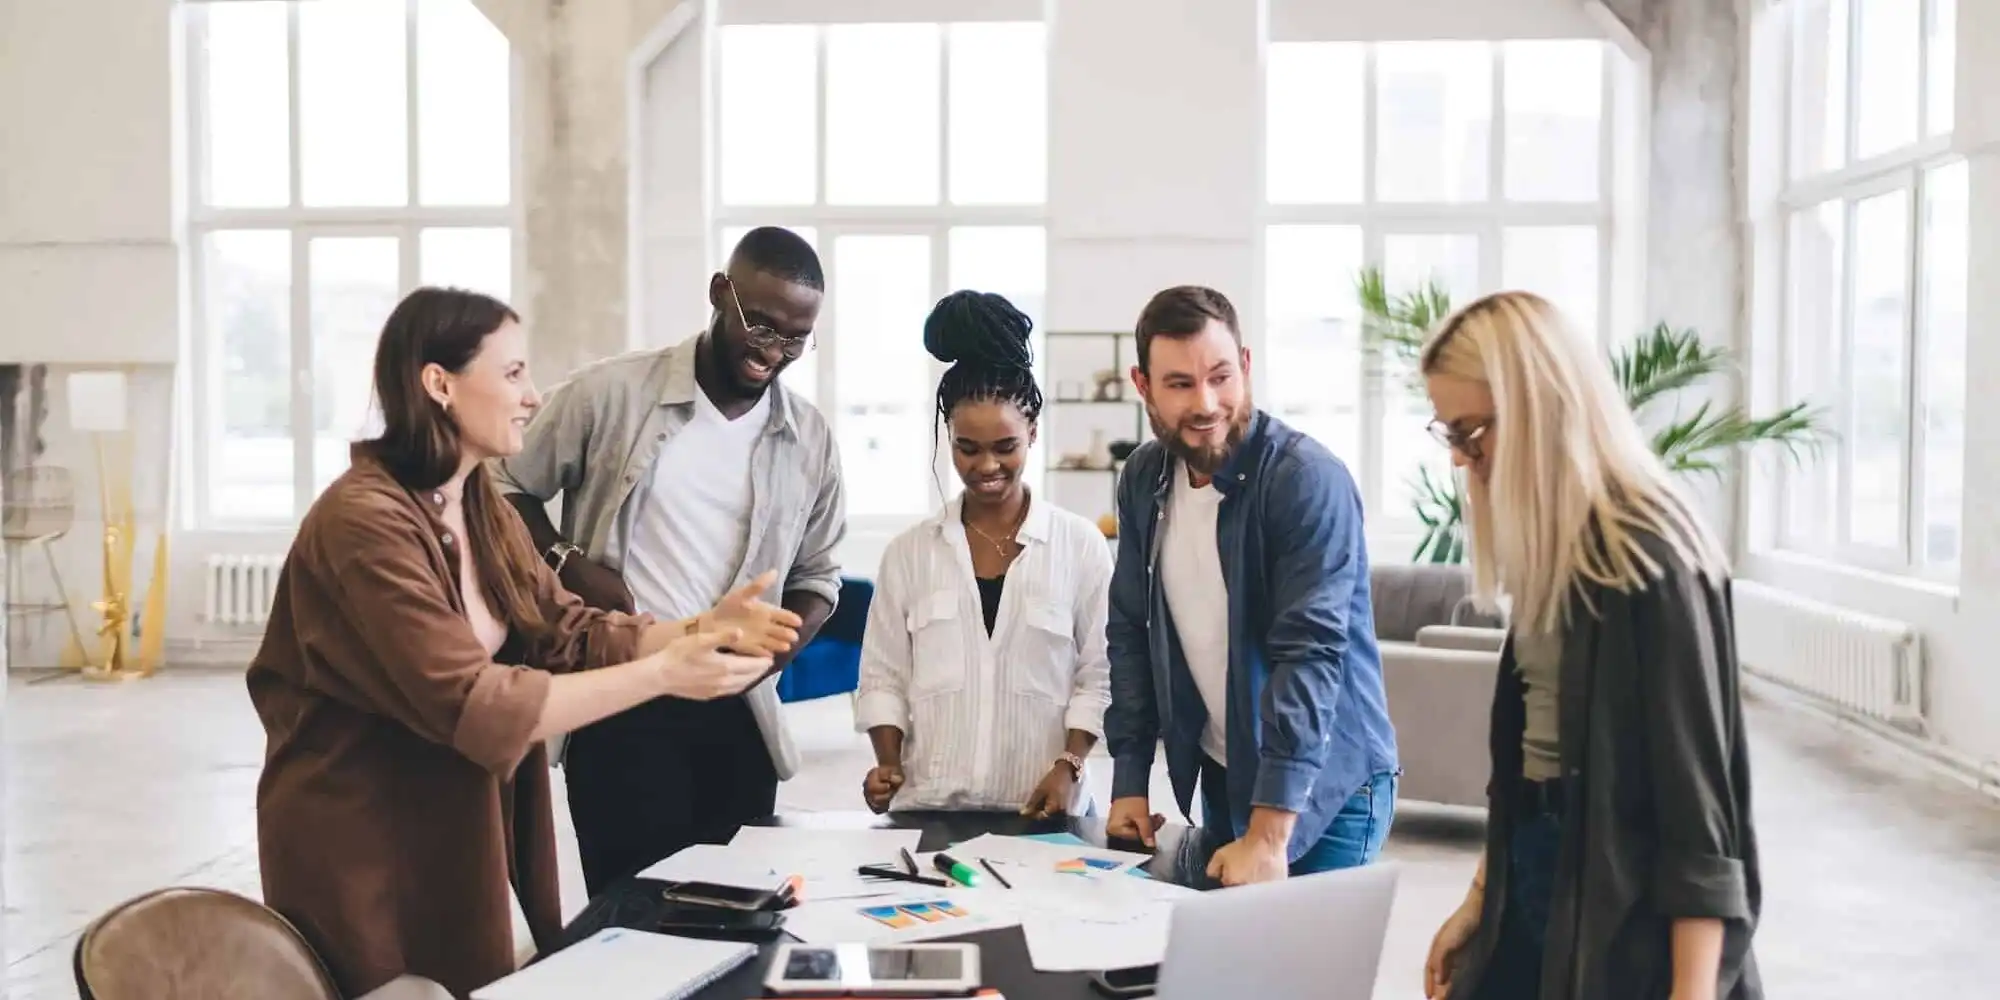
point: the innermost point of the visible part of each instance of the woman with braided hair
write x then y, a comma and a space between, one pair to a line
983, 672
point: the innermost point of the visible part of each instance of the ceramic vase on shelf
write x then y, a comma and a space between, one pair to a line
1100, 450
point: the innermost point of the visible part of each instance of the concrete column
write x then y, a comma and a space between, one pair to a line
1695, 241
1966, 700
573, 138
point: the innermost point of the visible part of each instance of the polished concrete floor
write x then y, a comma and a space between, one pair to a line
1882, 879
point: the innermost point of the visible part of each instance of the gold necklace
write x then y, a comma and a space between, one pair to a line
999, 544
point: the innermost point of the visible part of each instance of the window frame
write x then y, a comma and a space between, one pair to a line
1906, 168
201, 416
1487, 219
831, 222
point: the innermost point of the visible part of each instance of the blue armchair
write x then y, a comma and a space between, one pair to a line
831, 663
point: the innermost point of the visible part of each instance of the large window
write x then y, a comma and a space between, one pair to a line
1874, 226
1465, 164
914, 156
340, 154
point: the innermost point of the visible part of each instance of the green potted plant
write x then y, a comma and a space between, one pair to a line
1649, 370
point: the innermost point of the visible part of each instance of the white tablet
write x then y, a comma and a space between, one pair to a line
888, 970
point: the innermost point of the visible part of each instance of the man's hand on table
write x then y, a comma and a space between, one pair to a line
1258, 855
1051, 797
1130, 819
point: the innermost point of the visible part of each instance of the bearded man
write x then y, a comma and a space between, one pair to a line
1240, 632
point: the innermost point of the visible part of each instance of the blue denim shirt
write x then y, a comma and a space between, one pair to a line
1308, 722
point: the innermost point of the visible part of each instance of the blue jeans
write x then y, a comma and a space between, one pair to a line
1354, 839
1516, 969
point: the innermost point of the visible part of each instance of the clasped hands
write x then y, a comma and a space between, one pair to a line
731, 646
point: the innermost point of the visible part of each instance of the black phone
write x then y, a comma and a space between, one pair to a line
733, 897
715, 922
1138, 981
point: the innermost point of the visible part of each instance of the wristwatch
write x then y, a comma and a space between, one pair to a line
1075, 764
558, 554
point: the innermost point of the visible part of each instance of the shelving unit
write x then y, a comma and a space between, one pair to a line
1072, 362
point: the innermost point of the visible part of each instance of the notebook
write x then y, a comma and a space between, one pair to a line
620, 964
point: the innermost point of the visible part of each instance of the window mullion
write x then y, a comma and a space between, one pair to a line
410, 105
302, 372
1915, 500
1496, 133
292, 112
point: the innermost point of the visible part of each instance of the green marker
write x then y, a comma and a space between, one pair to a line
960, 873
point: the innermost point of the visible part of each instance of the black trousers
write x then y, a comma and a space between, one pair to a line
663, 776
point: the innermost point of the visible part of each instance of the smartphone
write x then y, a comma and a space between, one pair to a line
1139, 981
724, 924
860, 970
734, 897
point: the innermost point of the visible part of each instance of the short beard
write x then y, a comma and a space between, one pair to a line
1204, 460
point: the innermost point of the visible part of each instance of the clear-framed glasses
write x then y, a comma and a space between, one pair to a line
762, 337
1463, 439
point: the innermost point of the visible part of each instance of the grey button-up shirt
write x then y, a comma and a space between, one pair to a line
595, 440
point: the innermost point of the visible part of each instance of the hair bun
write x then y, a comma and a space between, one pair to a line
979, 327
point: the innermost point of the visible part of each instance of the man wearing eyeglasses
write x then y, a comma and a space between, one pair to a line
684, 473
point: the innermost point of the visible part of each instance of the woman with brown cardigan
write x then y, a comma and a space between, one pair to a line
405, 791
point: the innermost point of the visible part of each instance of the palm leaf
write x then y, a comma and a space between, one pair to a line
1663, 361
1704, 440
1438, 505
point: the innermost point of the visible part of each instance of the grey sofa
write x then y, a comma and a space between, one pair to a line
1438, 658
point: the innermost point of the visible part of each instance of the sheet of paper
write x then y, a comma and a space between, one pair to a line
826, 861
822, 853
904, 916
1103, 924
1058, 944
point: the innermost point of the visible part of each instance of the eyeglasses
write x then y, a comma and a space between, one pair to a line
1463, 440
762, 337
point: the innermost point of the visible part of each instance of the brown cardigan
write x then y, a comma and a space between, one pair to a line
402, 790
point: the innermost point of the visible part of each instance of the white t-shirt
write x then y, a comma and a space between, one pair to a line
1197, 597
689, 536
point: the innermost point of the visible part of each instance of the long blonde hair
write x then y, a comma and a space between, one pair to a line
1572, 484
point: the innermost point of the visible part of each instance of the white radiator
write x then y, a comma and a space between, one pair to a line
240, 588
1860, 663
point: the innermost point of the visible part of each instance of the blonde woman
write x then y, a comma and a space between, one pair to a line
1620, 861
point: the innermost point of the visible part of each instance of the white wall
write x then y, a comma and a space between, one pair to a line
88, 265
1958, 624
89, 259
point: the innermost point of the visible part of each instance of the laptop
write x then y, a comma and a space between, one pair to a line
1315, 937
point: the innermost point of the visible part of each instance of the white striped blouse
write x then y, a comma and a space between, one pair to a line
984, 718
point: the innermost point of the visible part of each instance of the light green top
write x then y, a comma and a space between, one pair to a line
1538, 657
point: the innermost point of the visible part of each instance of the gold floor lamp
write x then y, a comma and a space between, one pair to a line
97, 406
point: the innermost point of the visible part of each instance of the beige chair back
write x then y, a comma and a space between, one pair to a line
197, 944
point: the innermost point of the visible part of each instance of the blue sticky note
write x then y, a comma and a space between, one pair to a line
1065, 839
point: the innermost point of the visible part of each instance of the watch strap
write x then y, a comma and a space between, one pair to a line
1075, 763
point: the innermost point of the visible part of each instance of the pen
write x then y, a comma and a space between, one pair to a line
909, 863
995, 872
959, 872
885, 872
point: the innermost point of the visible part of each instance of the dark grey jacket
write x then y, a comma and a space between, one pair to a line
1658, 784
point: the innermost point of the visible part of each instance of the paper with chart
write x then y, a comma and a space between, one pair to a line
899, 917
827, 861
1076, 858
